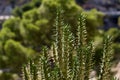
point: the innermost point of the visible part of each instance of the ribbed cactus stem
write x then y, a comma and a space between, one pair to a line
107, 56
82, 37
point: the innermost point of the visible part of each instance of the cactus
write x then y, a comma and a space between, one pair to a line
70, 57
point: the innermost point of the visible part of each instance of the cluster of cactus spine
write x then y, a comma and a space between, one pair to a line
106, 59
70, 58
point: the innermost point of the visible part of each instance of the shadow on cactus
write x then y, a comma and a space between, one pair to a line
70, 57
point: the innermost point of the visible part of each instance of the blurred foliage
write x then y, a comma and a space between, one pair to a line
81, 2
13, 48
8, 76
94, 20
32, 27
26, 7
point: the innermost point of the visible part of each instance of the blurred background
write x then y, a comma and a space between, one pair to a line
27, 25
111, 9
